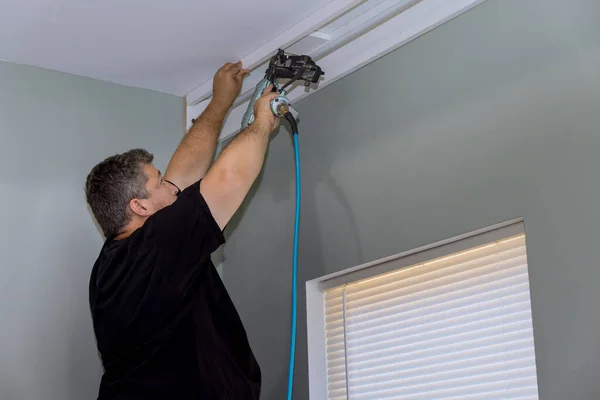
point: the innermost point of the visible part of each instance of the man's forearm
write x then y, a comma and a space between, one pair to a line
244, 156
197, 149
235, 170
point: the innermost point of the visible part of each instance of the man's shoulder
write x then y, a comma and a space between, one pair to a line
117, 257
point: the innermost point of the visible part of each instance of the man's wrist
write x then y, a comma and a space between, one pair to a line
221, 103
261, 125
215, 111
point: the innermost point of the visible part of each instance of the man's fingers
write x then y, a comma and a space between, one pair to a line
231, 66
235, 67
267, 90
242, 73
270, 95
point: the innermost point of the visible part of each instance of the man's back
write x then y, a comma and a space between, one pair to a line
165, 325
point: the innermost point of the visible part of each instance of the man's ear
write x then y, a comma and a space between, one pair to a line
140, 207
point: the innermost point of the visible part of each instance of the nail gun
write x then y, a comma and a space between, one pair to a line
283, 66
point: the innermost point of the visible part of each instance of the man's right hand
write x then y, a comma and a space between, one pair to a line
262, 109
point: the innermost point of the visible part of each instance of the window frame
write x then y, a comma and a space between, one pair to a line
315, 288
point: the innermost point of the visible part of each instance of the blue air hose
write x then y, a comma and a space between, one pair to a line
280, 107
292, 121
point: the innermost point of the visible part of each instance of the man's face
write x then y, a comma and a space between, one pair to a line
160, 193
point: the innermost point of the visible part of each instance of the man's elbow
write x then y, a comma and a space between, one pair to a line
225, 184
230, 177
224, 189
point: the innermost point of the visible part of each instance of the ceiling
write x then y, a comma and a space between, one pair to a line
170, 46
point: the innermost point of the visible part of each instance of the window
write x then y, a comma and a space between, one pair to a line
452, 321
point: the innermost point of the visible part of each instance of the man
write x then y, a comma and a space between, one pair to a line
164, 323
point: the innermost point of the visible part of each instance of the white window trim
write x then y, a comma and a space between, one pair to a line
317, 350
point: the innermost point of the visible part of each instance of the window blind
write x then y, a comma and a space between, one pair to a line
456, 327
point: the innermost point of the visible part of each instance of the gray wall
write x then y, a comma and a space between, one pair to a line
54, 127
492, 116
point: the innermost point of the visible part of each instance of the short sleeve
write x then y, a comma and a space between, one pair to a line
184, 235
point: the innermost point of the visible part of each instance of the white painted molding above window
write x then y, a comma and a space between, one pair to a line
342, 37
451, 320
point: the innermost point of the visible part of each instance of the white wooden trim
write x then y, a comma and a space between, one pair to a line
363, 23
317, 355
423, 254
321, 35
305, 27
391, 34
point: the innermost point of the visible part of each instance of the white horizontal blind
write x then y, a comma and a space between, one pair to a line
457, 327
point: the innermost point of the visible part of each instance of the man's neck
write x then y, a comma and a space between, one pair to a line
131, 227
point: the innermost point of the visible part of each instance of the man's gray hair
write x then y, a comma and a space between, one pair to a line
112, 184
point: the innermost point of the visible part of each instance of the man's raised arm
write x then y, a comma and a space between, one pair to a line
197, 149
229, 179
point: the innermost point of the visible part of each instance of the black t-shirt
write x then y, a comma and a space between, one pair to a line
165, 325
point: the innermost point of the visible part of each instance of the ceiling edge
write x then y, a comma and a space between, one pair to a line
303, 28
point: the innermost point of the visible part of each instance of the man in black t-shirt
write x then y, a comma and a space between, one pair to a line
164, 323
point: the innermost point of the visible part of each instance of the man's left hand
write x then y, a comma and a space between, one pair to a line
227, 83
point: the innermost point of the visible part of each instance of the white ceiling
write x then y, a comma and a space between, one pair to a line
171, 46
